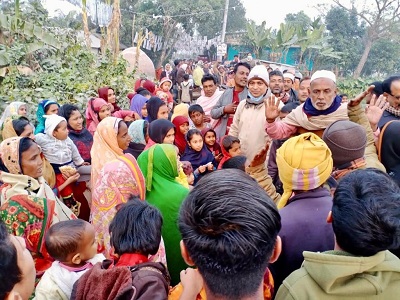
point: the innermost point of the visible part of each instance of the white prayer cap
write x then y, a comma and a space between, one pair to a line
288, 75
324, 74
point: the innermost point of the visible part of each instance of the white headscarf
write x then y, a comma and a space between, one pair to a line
11, 110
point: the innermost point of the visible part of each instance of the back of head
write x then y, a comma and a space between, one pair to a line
237, 162
346, 140
136, 228
62, 238
10, 274
366, 213
304, 163
229, 226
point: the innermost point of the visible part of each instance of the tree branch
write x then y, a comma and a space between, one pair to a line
360, 14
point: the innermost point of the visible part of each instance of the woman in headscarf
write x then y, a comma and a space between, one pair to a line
181, 128
160, 132
159, 165
20, 126
108, 94
83, 141
139, 105
138, 131
13, 109
180, 110
118, 181
109, 142
17, 126
81, 137
46, 107
29, 206
98, 109
156, 109
389, 149
167, 71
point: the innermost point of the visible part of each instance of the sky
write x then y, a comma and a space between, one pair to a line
273, 12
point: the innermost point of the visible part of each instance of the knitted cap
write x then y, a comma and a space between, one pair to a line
346, 140
51, 123
304, 163
165, 79
259, 72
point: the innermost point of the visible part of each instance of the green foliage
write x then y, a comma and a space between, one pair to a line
352, 87
259, 36
71, 76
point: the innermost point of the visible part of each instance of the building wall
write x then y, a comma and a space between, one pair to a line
290, 59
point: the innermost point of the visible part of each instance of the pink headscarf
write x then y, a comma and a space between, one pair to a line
94, 105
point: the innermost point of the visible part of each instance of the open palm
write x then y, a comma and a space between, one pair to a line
375, 110
272, 108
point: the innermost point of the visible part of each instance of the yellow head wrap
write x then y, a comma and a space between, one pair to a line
304, 163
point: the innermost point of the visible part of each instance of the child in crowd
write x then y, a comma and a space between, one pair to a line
210, 139
230, 148
72, 244
186, 89
165, 86
196, 114
182, 127
198, 155
63, 156
135, 234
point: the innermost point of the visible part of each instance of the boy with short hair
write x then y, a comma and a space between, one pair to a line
229, 228
366, 223
197, 115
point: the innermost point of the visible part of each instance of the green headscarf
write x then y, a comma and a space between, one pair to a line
159, 166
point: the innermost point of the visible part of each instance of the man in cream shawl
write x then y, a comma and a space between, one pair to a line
321, 109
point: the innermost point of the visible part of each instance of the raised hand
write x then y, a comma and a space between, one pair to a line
375, 110
271, 108
360, 97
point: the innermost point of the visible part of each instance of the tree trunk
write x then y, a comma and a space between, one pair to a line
363, 60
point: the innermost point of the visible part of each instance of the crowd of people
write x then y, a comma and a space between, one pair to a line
269, 186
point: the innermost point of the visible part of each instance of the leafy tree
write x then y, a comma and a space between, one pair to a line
299, 19
259, 36
382, 19
346, 37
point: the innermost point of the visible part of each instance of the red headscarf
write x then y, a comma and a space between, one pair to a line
92, 113
103, 93
225, 154
150, 86
180, 140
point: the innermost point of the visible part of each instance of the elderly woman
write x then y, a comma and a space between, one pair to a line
29, 206
20, 126
13, 109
